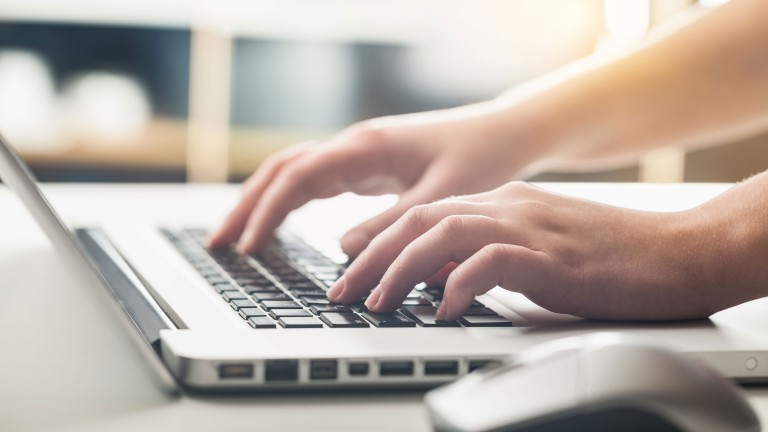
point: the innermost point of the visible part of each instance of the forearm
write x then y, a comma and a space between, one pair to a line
703, 84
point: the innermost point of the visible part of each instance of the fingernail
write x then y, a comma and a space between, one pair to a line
442, 311
373, 299
335, 291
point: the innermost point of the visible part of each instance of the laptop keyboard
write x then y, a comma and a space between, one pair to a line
285, 284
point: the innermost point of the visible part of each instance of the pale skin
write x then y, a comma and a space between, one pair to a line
702, 84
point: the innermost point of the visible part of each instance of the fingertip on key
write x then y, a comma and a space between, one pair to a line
373, 299
335, 291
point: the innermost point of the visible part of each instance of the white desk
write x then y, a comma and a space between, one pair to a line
62, 368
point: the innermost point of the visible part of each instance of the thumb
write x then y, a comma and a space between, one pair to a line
357, 238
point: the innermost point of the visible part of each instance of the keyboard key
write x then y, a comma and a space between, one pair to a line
308, 285
311, 261
322, 269
280, 304
259, 322
474, 304
327, 276
226, 286
417, 302
293, 278
391, 319
300, 322
485, 321
204, 267
251, 312
319, 309
286, 272
299, 292
433, 294
216, 279
234, 295
314, 300
414, 294
207, 271
479, 311
278, 313
259, 297
265, 288
249, 281
238, 304
343, 320
236, 266
425, 316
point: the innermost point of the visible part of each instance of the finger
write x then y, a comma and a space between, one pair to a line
319, 175
454, 239
433, 185
367, 270
513, 267
234, 223
439, 278
358, 238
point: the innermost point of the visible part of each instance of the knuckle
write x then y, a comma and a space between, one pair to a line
517, 188
364, 134
494, 255
416, 217
296, 177
451, 226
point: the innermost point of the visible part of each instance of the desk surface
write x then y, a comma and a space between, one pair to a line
63, 368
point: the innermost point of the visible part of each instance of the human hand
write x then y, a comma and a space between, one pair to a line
566, 254
422, 157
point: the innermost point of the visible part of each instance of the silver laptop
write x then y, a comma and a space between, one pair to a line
214, 320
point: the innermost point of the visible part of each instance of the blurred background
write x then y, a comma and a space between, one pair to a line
202, 91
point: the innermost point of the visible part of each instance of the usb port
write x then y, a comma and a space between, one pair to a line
323, 369
358, 369
441, 367
281, 370
236, 370
396, 368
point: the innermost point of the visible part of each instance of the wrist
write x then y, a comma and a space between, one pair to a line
726, 240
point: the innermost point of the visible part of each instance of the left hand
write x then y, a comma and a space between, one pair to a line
567, 255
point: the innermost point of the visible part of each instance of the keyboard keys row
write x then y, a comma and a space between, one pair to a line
419, 307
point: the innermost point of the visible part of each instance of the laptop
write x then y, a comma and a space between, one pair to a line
212, 320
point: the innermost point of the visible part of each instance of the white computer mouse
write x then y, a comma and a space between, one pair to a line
597, 383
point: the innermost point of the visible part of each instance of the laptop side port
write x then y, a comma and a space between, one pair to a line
358, 368
235, 371
323, 369
281, 370
396, 368
441, 367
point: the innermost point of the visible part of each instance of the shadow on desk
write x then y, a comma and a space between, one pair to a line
68, 366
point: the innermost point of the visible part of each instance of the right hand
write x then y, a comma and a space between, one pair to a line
422, 157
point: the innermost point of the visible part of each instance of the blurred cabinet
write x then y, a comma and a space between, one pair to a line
229, 82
